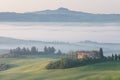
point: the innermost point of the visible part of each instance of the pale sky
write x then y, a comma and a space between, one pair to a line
91, 6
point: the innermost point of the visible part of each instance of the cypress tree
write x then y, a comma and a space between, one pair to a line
101, 53
116, 57
119, 57
113, 57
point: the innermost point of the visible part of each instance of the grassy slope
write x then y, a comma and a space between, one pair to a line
33, 69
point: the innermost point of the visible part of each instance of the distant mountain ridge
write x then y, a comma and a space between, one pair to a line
58, 15
9, 40
59, 11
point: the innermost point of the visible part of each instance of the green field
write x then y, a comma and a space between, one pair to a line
34, 69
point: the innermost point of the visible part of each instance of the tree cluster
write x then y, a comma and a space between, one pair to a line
24, 51
21, 52
114, 57
70, 63
49, 50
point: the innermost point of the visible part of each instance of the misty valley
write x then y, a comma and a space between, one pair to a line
84, 36
59, 39
51, 50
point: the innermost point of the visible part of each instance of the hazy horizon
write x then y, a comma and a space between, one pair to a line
106, 33
91, 6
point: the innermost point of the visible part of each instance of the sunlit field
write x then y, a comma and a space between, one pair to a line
34, 69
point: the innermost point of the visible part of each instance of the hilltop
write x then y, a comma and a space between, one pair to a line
58, 15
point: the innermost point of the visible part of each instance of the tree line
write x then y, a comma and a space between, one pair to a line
34, 51
114, 57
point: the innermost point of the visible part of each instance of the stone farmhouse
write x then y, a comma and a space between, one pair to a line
88, 54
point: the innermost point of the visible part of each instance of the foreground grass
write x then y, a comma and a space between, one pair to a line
34, 69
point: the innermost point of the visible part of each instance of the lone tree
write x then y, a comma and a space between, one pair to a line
101, 53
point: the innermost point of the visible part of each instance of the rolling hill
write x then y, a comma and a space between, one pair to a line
34, 69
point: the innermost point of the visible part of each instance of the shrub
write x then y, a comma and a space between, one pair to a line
4, 67
69, 63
